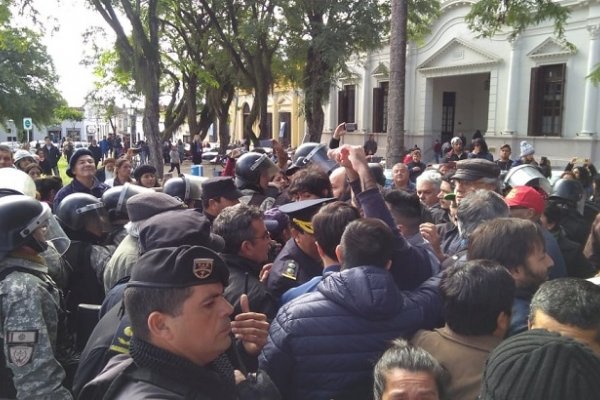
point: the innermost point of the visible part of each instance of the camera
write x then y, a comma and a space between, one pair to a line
350, 126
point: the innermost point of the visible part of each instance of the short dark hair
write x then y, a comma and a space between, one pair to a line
234, 225
313, 180
329, 225
367, 241
141, 302
570, 301
505, 146
474, 294
406, 207
46, 184
402, 355
508, 241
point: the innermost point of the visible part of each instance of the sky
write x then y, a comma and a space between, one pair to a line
66, 46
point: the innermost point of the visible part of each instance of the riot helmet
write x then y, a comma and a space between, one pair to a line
568, 192
185, 187
250, 167
527, 175
315, 153
14, 181
115, 199
26, 221
78, 209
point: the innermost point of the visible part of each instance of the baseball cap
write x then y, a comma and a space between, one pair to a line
527, 197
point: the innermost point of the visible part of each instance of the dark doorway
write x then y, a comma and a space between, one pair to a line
448, 109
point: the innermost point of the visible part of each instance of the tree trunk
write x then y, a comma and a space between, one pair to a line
395, 127
315, 91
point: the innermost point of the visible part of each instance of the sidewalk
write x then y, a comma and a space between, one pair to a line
186, 168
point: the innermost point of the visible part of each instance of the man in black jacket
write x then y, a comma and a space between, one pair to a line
247, 243
52, 154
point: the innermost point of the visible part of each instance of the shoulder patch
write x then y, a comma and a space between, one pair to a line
20, 355
291, 270
21, 337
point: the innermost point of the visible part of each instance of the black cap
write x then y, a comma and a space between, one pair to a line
538, 364
178, 227
179, 267
476, 168
73, 160
220, 186
301, 212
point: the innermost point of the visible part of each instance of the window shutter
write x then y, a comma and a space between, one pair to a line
341, 106
535, 99
377, 110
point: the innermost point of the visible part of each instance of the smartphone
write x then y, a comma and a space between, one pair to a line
350, 126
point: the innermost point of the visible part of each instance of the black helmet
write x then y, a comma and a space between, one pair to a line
185, 187
115, 199
315, 153
74, 210
567, 190
20, 217
249, 168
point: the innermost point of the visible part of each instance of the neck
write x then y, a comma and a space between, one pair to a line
86, 181
328, 262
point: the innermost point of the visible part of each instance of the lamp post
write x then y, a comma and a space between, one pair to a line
133, 118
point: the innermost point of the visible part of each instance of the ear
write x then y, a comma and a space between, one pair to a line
158, 325
339, 254
245, 247
502, 324
388, 265
319, 250
295, 232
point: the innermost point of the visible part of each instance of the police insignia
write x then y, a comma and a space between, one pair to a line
291, 270
203, 267
20, 355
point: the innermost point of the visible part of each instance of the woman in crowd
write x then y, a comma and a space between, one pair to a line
122, 173
34, 171
145, 175
480, 150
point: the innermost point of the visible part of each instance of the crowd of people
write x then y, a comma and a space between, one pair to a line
302, 276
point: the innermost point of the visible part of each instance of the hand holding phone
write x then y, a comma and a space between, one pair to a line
351, 126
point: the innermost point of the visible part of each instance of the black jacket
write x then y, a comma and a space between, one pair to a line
261, 300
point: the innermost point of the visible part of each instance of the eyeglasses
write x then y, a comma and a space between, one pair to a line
265, 236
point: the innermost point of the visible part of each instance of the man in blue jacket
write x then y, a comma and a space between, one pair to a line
323, 344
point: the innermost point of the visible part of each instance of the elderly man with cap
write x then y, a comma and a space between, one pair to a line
299, 260
181, 333
82, 169
526, 202
471, 174
218, 193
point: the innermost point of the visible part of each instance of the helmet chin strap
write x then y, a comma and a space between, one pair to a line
36, 245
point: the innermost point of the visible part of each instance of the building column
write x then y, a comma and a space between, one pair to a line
590, 102
512, 94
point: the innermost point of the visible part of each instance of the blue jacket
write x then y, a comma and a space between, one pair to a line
326, 342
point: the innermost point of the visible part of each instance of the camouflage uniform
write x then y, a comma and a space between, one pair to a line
29, 315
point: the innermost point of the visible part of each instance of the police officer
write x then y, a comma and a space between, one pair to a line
187, 188
30, 312
253, 171
299, 260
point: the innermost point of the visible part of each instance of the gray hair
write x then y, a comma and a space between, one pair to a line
402, 355
477, 207
432, 176
234, 225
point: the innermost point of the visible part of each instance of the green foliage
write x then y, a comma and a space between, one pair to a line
421, 16
65, 113
487, 17
594, 76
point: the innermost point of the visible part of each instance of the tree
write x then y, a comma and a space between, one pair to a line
27, 77
321, 35
410, 19
250, 32
140, 54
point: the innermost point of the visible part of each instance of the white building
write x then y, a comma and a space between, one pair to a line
533, 88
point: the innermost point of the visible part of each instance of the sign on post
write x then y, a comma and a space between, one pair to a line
28, 125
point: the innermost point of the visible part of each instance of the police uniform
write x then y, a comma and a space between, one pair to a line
29, 322
293, 267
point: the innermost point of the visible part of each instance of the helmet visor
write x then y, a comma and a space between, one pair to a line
318, 156
264, 163
45, 228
